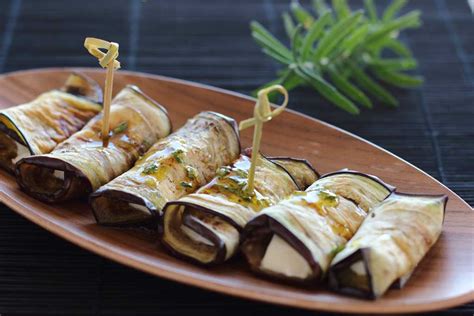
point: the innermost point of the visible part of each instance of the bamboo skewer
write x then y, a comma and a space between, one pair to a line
262, 114
106, 60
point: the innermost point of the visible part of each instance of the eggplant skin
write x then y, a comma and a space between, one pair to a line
83, 86
316, 223
27, 173
364, 190
221, 208
104, 197
43, 123
258, 232
295, 168
335, 285
81, 164
404, 226
174, 166
221, 249
389, 187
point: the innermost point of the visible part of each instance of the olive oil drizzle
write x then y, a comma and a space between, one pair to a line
321, 201
232, 182
162, 162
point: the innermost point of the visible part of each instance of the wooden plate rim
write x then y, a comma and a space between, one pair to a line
167, 272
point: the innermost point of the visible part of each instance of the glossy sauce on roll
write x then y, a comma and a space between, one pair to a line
37, 127
296, 239
173, 167
81, 164
205, 227
391, 242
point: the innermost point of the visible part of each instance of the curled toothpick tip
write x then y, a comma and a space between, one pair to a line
262, 114
95, 46
107, 59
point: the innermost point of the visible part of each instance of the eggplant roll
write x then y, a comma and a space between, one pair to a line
388, 246
173, 167
300, 170
37, 127
205, 227
296, 239
81, 164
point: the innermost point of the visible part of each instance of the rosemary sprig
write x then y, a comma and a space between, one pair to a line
340, 52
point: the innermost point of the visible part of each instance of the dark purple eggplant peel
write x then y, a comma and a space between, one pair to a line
175, 166
37, 127
300, 170
388, 246
205, 227
295, 240
81, 164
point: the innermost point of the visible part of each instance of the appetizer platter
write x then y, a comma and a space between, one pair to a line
330, 222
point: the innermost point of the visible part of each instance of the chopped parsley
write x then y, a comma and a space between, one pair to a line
186, 184
328, 197
151, 168
120, 128
223, 171
178, 155
336, 250
191, 172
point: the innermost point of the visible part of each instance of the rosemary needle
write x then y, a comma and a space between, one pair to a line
340, 53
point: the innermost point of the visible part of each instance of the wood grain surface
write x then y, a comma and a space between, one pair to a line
443, 279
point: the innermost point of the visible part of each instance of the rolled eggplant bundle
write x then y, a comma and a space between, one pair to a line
299, 169
205, 227
173, 167
296, 239
388, 246
81, 164
37, 127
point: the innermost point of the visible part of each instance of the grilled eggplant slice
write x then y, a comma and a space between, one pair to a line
37, 127
80, 165
173, 167
296, 239
388, 246
300, 170
205, 227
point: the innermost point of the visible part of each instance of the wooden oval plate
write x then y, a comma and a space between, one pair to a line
444, 278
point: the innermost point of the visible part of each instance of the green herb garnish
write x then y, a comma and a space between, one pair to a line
236, 189
336, 250
178, 155
191, 172
328, 196
120, 128
241, 173
223, 171
334, 52
151, 168
186, 184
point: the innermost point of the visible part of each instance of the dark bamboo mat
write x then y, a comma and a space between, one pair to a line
208, 41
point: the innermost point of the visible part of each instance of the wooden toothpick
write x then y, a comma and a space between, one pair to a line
262, 113
106, 60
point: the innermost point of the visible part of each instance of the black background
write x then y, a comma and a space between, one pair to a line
209, 42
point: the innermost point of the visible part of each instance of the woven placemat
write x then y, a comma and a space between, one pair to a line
209, 41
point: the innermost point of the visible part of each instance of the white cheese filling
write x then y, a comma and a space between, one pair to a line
21, 151
281, 258
59, 174
195, 236
358, 268
139, 207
